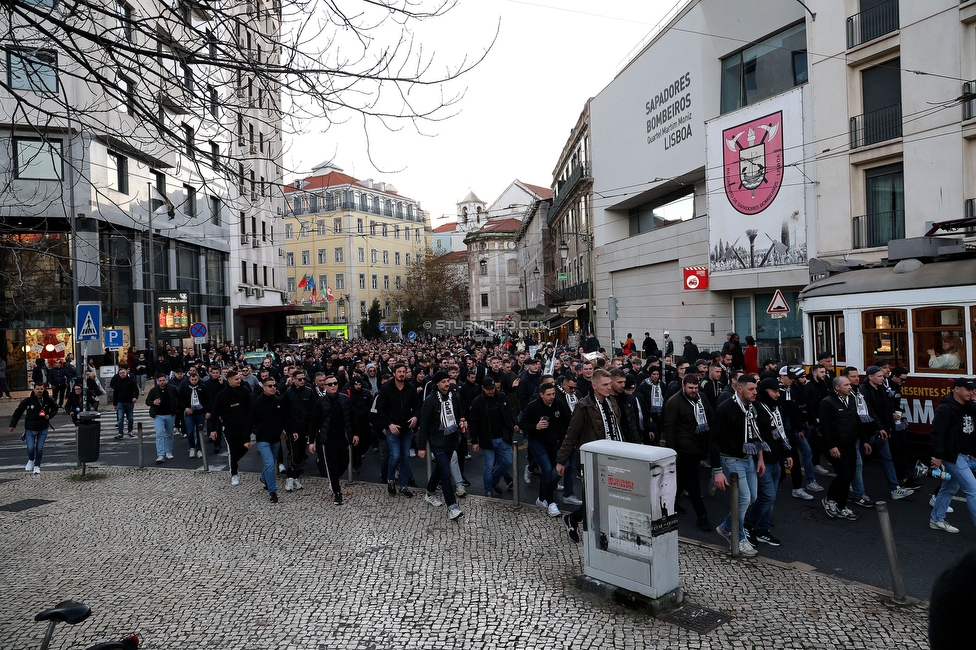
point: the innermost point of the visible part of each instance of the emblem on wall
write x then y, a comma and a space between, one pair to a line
754, 163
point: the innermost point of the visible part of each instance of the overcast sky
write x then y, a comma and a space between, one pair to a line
519, 106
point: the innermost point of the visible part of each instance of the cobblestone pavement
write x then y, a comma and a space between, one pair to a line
188, 561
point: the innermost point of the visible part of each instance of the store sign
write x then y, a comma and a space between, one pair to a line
172, 314
696, 278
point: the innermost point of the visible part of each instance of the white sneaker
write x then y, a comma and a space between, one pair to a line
159, 459
433, 500
37, 469
454, 512
813, 486
281, 467
559, 486
901, 493
572, 500
819, 469
554, 510
199, 453
298, 486
30, 466
541, 503
413, 453
746, 549
235, 480
169, 456
800, 493
527, 475
932, 503
193, 453
289, 485
943, 525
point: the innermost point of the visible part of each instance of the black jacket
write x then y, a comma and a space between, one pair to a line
764, 419
839, 422
559, 417
169, 400
728, 433
479, 420
231, 407
203, 394
320, 422
31, 407
396, 406
952, 429
298, 404
266, 416
124, 391
429, 429
679, 429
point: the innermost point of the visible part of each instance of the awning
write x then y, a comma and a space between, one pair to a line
575, 308
559, 322
261, 310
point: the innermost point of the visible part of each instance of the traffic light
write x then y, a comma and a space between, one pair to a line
612, 303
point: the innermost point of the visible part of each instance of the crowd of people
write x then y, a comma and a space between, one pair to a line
459, 398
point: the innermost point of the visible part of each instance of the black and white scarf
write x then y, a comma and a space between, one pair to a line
448, 419
862, 407
657, 400
610, 428
752, 442
700, 416
779, 430
571, 399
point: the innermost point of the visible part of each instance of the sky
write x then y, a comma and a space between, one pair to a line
519, 104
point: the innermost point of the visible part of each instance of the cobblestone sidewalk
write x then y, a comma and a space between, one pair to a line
186, 560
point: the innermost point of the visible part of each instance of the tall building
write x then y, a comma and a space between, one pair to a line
354, 238
133, 152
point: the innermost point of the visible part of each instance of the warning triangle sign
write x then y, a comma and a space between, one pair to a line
88, 328
778, 304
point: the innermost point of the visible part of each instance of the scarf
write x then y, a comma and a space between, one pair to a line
640, 412
657, 401
752, 442
570, 399
862, 407
779, 431
195, 398
610, 428
700, 417
448, 420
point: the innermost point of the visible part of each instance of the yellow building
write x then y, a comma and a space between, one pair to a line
352, 238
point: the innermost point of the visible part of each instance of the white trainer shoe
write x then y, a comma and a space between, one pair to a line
554, 510
37, 469
932, 503
289, 485
235, 480
30, 466
541, 503
746, 549
169, 456
298, 485
800, 493
193, 453
943, 525
454, 512
433, 500
572, 500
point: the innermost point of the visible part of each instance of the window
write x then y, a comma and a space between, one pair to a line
322, 256
337, 225
406, 233
416, 235
374, 283
323, 283
881, 91
243, 272
215, 210
512, 267
188, 140
484, 300
407, 260
483, 266
362, 281
372, 228
765, 69
123, 20
398, 283
289, 231
385, 231
386, 282
118, 172
396, 232
359, 226
38, 159
214, 105
291, 285
215, 153
396, 258
885, 218
886, 336
127, 101
410, 212
364, 202
305, 230
337, 255
675, 207
190, 201
939, 335
290, 258
320, 224
362, 308
361, 255
29, 69
340, 281
306, 258
386, 257
372, 256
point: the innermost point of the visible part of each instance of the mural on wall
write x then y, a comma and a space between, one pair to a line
755, 188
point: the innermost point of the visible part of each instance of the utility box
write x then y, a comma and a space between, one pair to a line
631, 539
89, 436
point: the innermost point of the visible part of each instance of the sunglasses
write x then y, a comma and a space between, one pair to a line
331, 383
270, 385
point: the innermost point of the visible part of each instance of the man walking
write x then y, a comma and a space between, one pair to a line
440, 426
492, 426
230, 414
396, 410
194, 400
953, 450
687, 422
331, 428
39, 409
163, 402
125, 392
545, 421
266, 416
299, 400
842, 431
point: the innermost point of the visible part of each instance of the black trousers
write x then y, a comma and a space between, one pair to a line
336, 461
235, 445
689, 480
845, 467
293, 454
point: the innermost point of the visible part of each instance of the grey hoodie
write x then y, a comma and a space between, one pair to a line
374, 381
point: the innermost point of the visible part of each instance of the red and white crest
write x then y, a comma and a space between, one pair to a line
753, 156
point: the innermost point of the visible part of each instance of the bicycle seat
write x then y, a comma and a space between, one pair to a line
67, 611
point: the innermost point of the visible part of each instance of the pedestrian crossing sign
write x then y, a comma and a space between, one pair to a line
88, 321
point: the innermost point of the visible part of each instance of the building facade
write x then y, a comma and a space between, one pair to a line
353, 240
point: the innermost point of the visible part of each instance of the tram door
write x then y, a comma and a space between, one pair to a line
828, 330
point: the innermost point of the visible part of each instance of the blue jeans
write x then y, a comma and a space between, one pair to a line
545, 456
124, 410
748, 488
35, 445
269, 455
857, 483
163, 424
400, 449
441, 475
806, 459
761, 513
961, 472
884, 450
569, 477
497, 463
191, 424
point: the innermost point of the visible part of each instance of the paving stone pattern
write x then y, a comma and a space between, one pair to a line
186, 560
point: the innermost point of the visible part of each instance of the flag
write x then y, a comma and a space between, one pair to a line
329, 294
165, 205
303, 282
315, 293
310, 284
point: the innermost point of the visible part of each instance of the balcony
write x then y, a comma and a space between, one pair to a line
872, 230
872, 23
876, 126
969, 100
565, 190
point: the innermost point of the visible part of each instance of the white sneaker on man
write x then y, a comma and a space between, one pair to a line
37, 469
527, 475
901, 493
453, 512
199, 453
289, 485
169, 456
433, 500
813, 486
943, 525
234, 480
746, 549
800, 493
193, 453
572, 500
821, 470
554, 510
159, 460
541, 503
298, 486
281, 467
30, 466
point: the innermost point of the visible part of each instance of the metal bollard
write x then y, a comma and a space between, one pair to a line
142, 464
349, 471
516, 486
203, 439
734, 498
899, 597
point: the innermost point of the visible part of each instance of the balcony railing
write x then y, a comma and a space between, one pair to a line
872, 23
969, 100
871, 230
876, 126
566, 189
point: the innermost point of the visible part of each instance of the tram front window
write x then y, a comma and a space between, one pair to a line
940, 339
886, 336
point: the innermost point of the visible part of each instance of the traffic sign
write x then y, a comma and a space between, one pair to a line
198, 330
88, 321
113, 339
411, 335
778, 304
395, 329
382, 326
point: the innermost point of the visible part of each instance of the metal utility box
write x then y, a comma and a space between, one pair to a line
631, 539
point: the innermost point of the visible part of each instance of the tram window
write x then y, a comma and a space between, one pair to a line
841, 349
940, 336
885, 336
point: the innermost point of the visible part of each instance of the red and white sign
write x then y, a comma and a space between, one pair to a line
696, 278
778, 304
754, 162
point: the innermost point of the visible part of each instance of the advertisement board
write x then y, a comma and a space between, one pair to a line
172, 314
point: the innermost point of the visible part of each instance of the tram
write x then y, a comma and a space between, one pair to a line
916, 309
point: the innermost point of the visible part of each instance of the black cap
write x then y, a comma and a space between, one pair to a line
826, 354
630, 382
769, 384
440, 376
488, 382
964, 382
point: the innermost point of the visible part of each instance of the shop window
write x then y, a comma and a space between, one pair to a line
886, 336
940, 339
